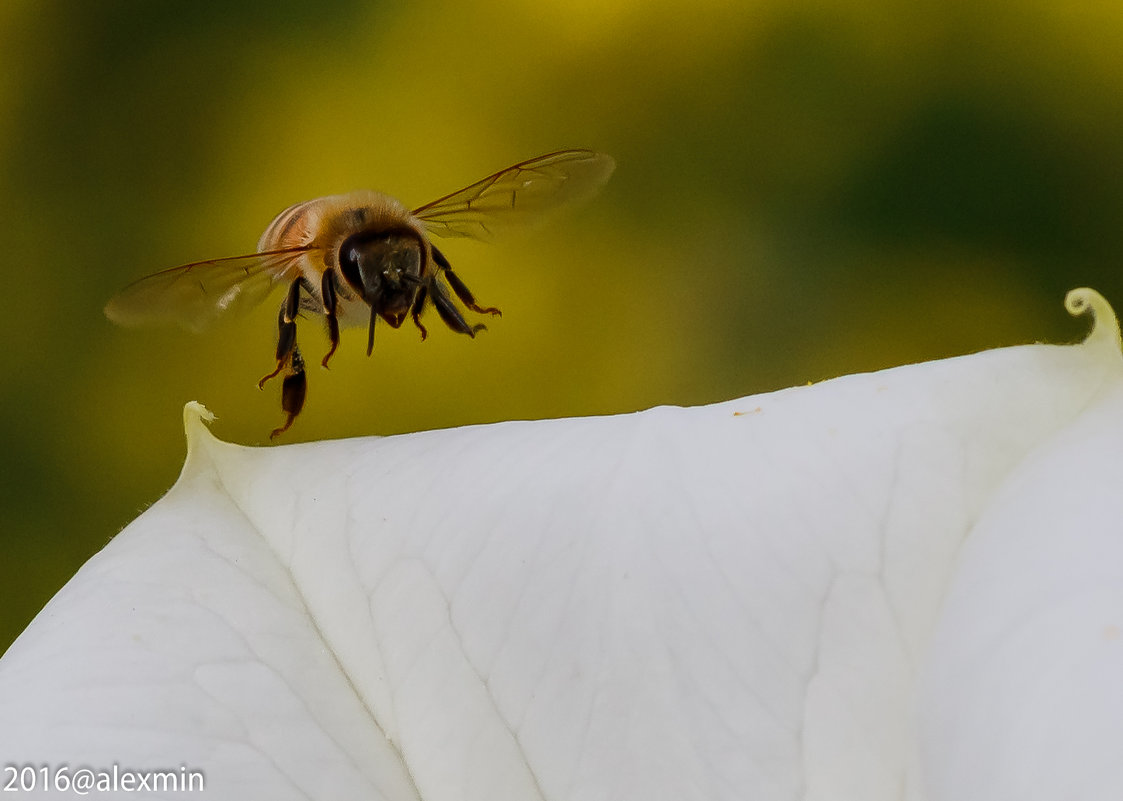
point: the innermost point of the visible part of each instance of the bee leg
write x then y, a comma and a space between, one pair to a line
327, 290
293, 390
286, 327
458, 286
370, 331
448, 311
418, 306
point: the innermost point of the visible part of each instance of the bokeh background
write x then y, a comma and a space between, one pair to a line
805, 189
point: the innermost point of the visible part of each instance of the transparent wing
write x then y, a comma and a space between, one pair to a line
194, 295
518, 196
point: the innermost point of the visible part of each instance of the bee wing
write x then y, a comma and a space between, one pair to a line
519, 195
194, 295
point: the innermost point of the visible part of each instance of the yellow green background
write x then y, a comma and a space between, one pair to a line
804, 189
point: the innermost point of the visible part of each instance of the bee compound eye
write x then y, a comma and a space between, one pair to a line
349, 255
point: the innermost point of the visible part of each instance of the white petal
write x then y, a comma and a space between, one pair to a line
1022, 697
725, 602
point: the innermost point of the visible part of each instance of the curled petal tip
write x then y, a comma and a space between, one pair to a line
1105, 325
196, 416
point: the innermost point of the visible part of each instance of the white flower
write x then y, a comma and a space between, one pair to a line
900, 585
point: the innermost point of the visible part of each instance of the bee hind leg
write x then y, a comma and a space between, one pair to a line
459, 287
286, 328
293, 390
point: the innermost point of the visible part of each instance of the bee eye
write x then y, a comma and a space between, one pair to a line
349, 255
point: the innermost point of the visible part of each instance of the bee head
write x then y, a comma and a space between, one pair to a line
379, 265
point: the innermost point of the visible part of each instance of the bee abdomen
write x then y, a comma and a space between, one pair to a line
288, 229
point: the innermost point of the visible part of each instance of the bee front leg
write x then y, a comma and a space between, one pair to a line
458, 286
286, 327
448, 311
418, 307
293, 390
327, 290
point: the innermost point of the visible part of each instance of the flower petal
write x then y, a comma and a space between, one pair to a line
723, 602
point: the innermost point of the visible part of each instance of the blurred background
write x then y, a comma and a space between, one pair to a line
804, 189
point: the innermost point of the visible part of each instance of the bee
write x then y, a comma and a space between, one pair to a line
359, 257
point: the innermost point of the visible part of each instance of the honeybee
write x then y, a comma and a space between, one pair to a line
358, 257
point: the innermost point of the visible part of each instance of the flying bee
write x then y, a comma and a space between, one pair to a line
359, 257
